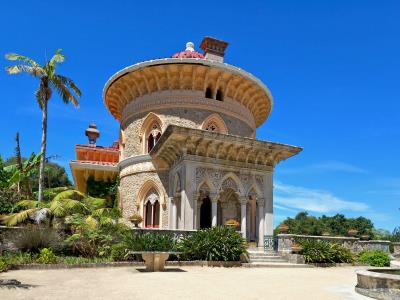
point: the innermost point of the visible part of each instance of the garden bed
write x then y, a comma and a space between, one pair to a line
197, 263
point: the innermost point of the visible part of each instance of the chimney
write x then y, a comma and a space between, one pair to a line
213, 49
92, 133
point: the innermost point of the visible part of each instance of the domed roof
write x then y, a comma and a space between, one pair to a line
188, 53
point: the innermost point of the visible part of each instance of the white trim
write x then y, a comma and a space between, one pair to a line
134, 160
88, 166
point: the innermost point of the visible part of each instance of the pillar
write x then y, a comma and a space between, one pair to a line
243, 209
195, 214
174, 219
269, 216
214, 209
260, 204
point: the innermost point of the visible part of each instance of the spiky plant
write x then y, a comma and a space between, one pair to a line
49, 81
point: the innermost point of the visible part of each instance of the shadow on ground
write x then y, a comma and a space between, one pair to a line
14, 284
165, 270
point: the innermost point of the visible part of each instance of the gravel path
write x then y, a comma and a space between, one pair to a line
184, 283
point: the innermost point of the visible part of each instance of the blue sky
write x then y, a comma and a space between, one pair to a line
333, 68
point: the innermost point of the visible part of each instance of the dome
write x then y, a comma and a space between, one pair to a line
188, 53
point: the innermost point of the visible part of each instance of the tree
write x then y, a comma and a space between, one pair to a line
49, 80
337, 225
65, 204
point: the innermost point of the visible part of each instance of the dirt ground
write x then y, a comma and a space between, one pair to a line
184, 283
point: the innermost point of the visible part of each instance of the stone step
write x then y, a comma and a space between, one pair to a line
274, 265
264, 255
268, 260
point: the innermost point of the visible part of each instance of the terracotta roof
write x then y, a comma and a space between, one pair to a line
188, 54
90, 162
113, 148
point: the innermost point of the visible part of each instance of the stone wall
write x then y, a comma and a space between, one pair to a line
192, 118
396, 249
285, 242
130, 186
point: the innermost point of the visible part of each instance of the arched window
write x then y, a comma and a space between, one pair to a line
152, 211
219, 96
214, 123
154, 136
209, 93
212, 126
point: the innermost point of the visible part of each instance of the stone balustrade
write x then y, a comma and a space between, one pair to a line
396, 249
285, 242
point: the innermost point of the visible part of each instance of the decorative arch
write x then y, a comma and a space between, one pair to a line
146, 187
215, 123
150, 131
150, 198
253, 190
204, 188
231, 180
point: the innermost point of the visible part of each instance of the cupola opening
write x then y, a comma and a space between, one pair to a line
219, 95
209, 93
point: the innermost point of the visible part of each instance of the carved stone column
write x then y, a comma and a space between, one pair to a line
175, 202
196, 216
243, 214
214, 209
268, 211
260, 203
172, 212
199, 203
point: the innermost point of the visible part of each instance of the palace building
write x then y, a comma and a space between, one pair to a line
187, 157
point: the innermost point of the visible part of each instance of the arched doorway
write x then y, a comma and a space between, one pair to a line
205, 213
228, 206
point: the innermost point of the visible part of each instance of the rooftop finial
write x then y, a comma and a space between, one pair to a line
189, 46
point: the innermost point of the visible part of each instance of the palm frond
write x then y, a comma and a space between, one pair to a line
19, 217
95, 203
69, 194
91, 222
106, 212
15, 56
69, 83
64, 92
57, 57
63, 207
34, 71
28, 203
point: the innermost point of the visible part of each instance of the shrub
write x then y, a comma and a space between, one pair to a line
119, 252
46, 256
153, 241
33, 238
214, 244
20, 258
375, 258
91, 241
318, 251
3, 264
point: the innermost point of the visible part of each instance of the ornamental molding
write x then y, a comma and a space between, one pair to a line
192, 100
134, 160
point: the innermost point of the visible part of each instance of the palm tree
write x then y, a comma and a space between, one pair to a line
67, 205
49, 80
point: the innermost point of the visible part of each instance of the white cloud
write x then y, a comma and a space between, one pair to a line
337, 166
327, 166
295, 197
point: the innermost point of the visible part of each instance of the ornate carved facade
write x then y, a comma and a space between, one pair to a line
188, 157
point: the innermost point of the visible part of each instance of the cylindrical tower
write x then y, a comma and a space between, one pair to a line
188, 90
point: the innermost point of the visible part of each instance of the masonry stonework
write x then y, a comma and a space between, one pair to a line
188, 157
